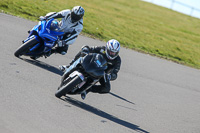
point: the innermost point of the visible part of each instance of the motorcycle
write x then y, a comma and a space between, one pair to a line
82, 74
41, 40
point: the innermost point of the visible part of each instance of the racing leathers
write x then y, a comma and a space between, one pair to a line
111, 71
71, 29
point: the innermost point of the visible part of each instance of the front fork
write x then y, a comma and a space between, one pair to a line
72, 75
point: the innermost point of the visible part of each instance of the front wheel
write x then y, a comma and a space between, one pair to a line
25, 47
66, 88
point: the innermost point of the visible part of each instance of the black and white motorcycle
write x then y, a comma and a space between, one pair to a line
82, 74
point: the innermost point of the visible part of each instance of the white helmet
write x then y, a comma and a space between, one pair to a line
77, 13
112, 49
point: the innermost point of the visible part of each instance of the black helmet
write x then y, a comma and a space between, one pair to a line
77, 13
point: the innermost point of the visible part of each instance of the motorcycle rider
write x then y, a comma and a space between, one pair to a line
110, 53
71, 24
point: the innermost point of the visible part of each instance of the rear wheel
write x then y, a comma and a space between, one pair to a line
67, 87
25, 47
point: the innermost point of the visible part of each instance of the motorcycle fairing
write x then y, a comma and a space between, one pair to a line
44, 36
94, 64
73, 65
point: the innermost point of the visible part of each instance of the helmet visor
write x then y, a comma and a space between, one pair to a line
112, 54
75, 17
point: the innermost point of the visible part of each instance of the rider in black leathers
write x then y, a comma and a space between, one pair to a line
110, 53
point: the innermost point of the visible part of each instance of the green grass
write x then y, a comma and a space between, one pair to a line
137, 25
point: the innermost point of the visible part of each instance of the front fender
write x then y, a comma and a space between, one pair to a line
80, 75
30, 37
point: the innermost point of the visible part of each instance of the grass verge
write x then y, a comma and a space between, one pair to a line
136, 24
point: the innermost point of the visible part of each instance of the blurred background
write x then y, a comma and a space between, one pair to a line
188, 7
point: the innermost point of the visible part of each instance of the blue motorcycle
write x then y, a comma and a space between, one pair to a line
41, 40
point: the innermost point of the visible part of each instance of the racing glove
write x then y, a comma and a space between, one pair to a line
61, 43
85, 50
42, 18
107, 77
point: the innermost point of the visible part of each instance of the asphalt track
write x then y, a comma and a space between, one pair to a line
151, 95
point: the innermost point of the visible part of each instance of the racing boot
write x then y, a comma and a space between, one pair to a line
83, 95
34, 57
62, 67
48, 54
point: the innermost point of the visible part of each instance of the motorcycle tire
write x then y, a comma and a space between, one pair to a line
66, 88
25, 47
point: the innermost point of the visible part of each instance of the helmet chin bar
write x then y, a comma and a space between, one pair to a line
110, 58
